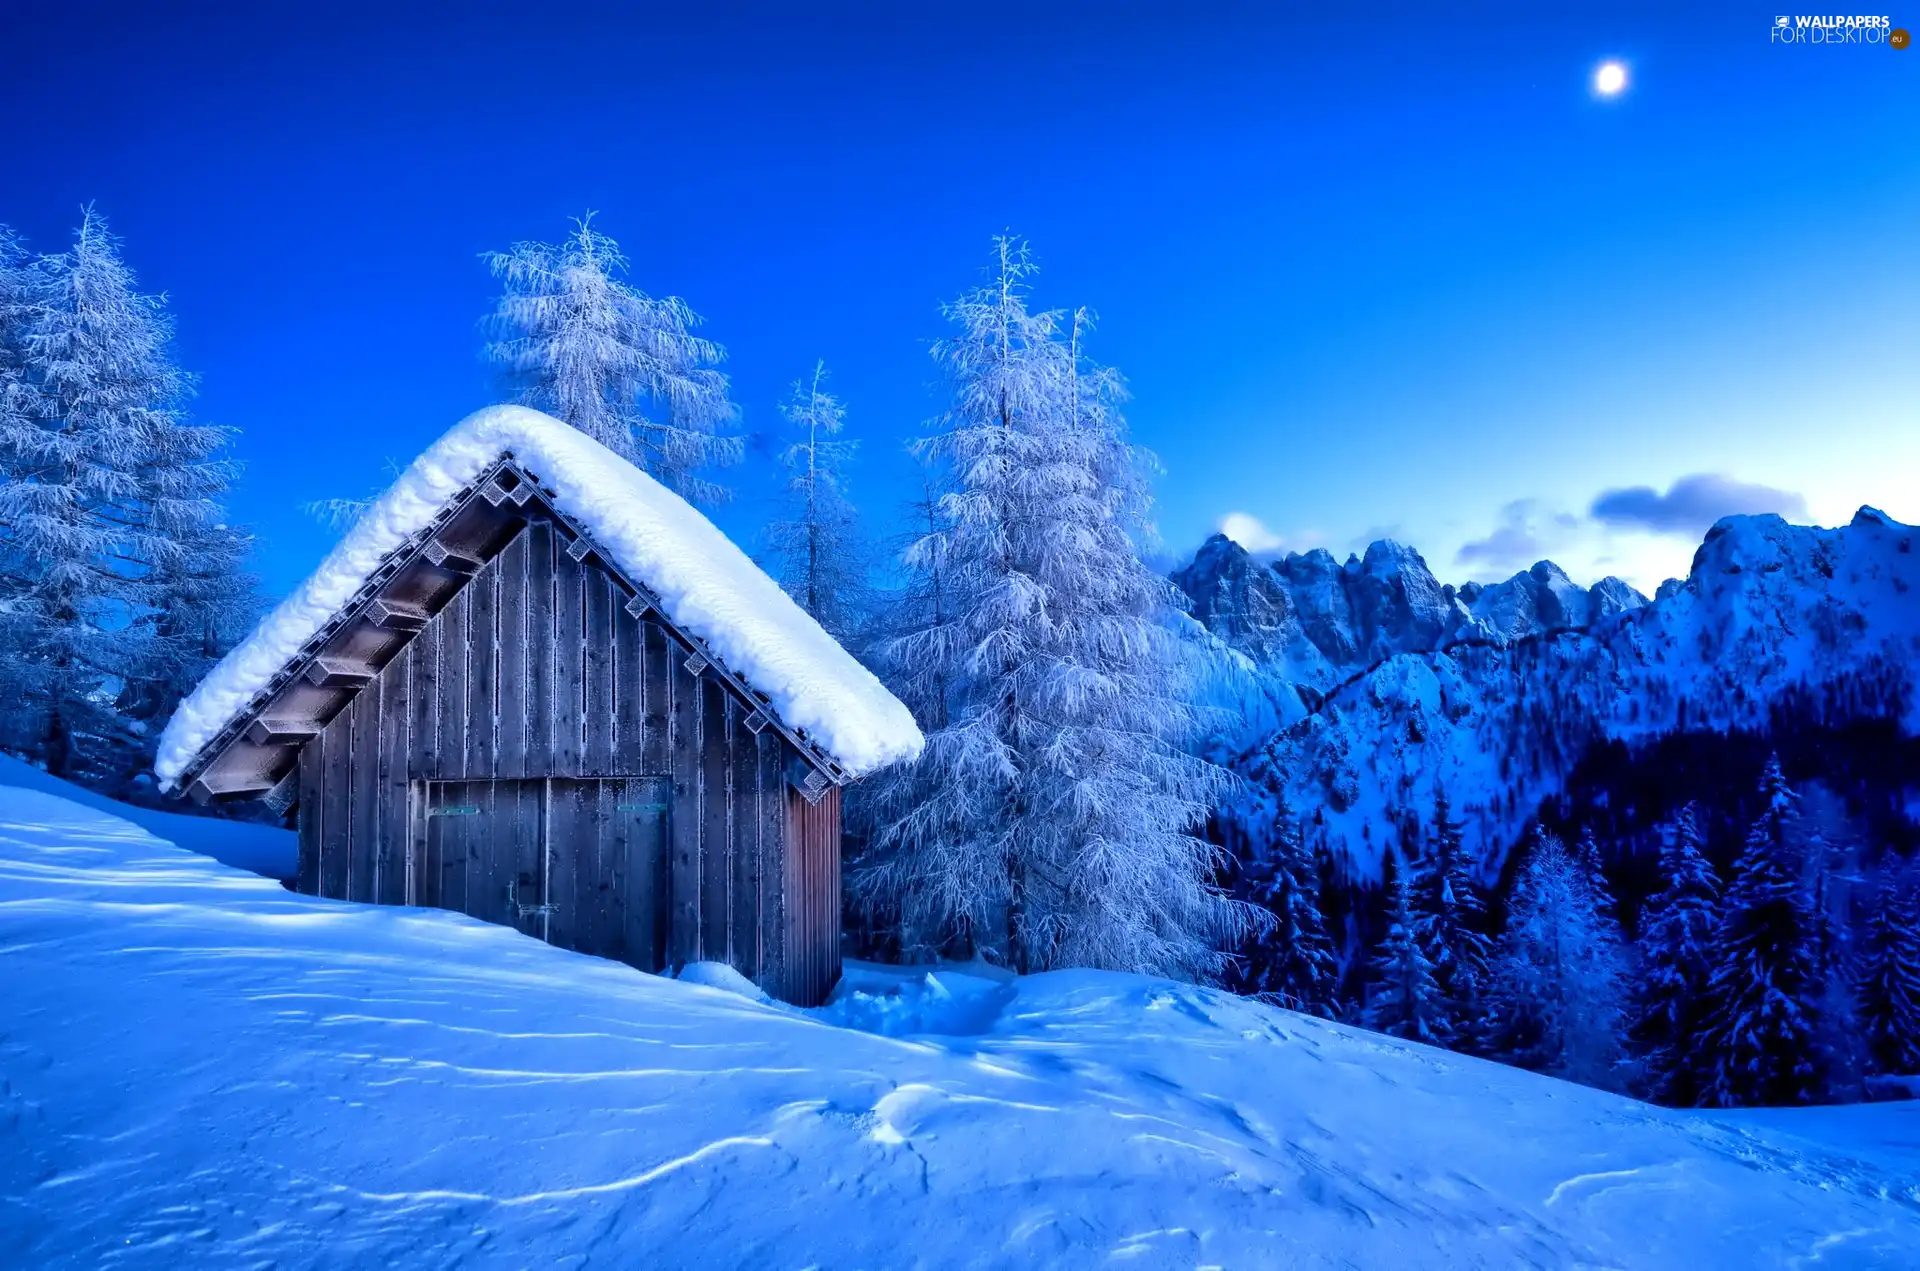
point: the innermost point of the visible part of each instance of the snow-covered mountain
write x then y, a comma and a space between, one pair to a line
200, 1068
1314, 622
1496, 692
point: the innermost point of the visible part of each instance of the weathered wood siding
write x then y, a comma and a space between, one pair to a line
535, 670
813, 886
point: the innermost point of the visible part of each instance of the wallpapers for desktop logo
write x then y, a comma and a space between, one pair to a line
1838, 29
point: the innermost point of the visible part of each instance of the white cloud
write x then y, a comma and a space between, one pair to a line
1527, 531
1246, 529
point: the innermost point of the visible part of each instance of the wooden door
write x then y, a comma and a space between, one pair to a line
580, 862
454, 834
640, 810
608, 841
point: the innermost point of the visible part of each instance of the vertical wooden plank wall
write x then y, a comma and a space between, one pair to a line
813, 891
716, 802
536, 670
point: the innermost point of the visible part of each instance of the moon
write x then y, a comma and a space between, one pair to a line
1610, 80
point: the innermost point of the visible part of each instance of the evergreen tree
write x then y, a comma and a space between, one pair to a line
1589, 859
1050, 820
1404, 999
17, 294
16, 306
818, 556
96, 388
1890, 980
1761, 1034
1828, 848
1675, 933
121, 582
1450, 914
571, 338
1292, 960
925, 603
200, 598
1557, 976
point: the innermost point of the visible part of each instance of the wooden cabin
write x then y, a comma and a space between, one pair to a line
508, 717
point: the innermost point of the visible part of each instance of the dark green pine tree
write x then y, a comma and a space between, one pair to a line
1292, 961
1676, 931
1403, 999
1760, 1041
1450, 916
1889, 986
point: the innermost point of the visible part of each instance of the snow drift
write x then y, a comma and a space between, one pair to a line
201, 1068
261, 849
705, 583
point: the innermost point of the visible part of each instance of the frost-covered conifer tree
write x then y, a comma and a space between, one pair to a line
1450, 914
1587, 855
1292, 960
1050, 820
19, 411
1676, 930
16, 299
817, 553
96, 377
1828, 847
1889, 991
122, 582
1557, 986
1403, 999
570, 337
1761, 1037
201, 598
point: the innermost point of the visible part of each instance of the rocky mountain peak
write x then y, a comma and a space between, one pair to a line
1314, 620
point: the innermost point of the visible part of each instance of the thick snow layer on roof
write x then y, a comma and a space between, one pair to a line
705, 584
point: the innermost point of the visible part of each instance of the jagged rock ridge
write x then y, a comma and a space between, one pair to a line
1314, 622
1500, 697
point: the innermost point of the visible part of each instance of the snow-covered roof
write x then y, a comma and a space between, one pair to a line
704, 584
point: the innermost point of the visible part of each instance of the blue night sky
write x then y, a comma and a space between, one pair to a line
1366, 269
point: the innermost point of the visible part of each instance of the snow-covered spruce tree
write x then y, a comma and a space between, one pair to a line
1676, 929
1292, 961
201, 598
817, 552
1557, 987
1450, 915
16, 301
80, 536
570, 337
1589, 858
916, 600
1050, 820
19, 408
1760, 1039
1403, 999
1828, 846
1889, 985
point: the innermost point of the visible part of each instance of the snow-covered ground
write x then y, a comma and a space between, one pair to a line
247, 845
199, 1068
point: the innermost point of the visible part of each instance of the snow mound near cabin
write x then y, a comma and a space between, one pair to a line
261, 849
705, 583
201, 1068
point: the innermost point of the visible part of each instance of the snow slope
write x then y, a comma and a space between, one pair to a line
261, 849
200, 1068
705, 583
